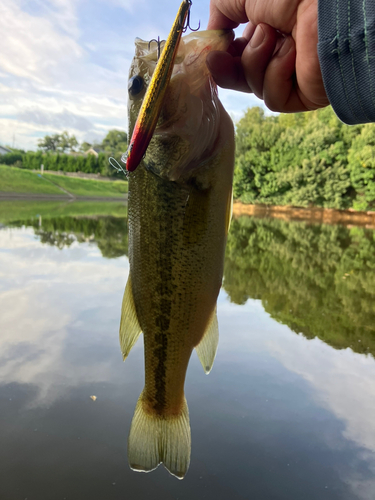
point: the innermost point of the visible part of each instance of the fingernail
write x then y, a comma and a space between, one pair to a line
285, 47
257, 38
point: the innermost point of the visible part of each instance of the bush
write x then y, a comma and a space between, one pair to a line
304, 159
11, 158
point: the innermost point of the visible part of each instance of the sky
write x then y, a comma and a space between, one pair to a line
64, 64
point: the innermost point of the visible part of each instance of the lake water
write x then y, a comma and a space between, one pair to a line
288, 411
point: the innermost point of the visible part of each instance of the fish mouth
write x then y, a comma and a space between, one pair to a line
188, 127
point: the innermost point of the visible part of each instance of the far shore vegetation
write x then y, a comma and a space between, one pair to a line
303, 160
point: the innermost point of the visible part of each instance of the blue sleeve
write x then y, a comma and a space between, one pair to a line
346, 51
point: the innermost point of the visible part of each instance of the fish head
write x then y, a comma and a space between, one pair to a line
191, 120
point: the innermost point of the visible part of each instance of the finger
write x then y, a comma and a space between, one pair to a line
238, 45
218, 20
227, 71
280, 89
256, 56
229, 14
248, 32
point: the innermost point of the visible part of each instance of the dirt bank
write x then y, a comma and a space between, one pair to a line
313, 215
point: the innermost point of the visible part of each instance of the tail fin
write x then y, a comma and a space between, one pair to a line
155, 439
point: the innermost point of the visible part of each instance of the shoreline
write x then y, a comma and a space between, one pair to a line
315, 215
57, 197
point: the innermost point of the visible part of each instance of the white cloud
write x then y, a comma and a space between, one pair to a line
48, 80
31, 46
56, 120
68, 60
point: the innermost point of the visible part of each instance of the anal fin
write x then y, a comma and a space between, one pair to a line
207, 347
129, 324
229, 211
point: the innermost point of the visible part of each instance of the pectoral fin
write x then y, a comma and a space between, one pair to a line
207, 347
129, 325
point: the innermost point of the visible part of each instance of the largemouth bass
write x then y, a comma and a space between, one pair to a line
179, 209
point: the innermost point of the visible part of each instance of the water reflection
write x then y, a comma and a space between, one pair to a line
109, 233
317, 279
283, 414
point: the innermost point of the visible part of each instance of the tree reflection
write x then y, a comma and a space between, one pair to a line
317, 279
109, 233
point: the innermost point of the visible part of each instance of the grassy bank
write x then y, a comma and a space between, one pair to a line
15, 180
16, 210
89, 187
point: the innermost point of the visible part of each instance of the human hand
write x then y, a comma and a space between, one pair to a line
277, 56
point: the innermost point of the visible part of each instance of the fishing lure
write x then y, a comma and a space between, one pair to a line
154, 98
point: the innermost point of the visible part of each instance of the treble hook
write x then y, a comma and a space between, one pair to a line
158, 43
184, 28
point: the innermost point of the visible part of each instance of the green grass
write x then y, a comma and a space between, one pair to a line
15, 180
89, 187
14, 210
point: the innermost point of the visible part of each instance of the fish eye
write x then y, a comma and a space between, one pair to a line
135, 85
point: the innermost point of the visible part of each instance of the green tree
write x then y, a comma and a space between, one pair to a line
255, 139
362, 167
115, 141
303, 160
85, 146
67, 142
58, 142
49, 143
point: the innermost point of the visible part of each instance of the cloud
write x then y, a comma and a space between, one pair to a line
60, 121
49, 81
31, 46
68, 60
128, 5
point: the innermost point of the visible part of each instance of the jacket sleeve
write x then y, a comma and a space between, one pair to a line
346, 51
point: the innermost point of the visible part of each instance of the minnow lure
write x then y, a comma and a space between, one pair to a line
154, 98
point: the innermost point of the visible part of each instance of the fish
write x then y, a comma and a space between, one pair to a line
179, 211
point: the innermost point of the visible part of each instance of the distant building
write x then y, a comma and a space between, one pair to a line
94, 151
4, 151
74, 153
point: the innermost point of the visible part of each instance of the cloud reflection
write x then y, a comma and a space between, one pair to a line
46, 296
343, 382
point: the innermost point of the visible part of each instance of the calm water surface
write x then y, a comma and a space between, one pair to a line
288, 411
